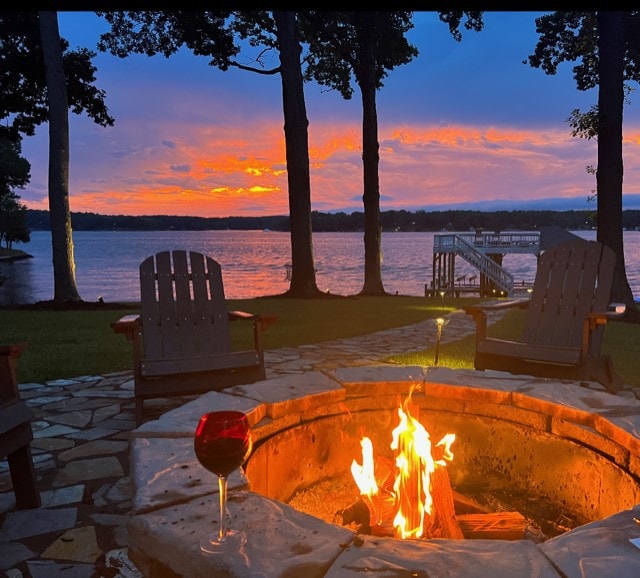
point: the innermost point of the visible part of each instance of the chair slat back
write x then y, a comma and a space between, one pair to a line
183, 307
572, 279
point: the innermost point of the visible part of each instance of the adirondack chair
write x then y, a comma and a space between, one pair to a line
181, 340
564, 323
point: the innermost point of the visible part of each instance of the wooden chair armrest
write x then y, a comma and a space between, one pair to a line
128, 324
615, 311
263, 320
520, 303
241, 316
479, 314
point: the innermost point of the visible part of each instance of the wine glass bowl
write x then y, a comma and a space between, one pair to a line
222, 443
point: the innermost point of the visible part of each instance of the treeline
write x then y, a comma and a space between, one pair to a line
453, 220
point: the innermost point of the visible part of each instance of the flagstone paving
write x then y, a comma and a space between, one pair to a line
80, 450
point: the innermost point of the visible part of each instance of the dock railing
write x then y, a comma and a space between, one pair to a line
485, 242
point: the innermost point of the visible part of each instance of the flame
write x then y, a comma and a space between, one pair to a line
415, 464
364, 474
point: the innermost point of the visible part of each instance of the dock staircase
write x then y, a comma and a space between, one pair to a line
501, 278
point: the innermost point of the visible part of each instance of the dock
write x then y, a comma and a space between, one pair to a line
485, 252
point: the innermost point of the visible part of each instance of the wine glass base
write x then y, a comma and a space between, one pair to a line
232, 542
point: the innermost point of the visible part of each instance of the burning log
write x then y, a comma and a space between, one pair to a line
371, 515
479, 526
493, 526
357, 513
374, 515
466, 505
442, 523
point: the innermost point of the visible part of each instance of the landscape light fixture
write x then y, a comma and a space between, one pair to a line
440, 323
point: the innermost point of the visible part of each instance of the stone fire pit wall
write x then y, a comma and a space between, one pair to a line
577, 445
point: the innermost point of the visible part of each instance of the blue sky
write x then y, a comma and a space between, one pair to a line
465, 125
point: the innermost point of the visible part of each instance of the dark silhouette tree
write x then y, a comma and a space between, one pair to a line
303, 274
14, 174
608, 47
64, 272
36, 68
367, 45
212, 34
15, 170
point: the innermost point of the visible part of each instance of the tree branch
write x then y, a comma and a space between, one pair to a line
253, 69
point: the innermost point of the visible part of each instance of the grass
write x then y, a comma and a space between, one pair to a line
70, 343
63, 344
621, 341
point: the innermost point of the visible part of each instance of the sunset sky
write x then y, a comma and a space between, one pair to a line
464, 126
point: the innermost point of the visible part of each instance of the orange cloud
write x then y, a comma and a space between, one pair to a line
241, 170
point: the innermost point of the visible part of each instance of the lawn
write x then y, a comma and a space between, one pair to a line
81, 342
64, 344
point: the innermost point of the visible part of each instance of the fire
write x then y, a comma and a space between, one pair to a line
363, 474
415, 464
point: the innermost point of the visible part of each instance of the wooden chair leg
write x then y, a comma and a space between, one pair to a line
139, 411
23, 478
601, 370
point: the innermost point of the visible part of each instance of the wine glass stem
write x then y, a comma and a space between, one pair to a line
222, 486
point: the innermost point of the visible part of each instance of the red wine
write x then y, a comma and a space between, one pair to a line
223, 441
222, 455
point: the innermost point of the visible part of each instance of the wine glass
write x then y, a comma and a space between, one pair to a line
222, 443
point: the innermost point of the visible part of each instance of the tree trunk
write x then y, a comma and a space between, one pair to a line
303, 276
366, 78
64, 277
609, 175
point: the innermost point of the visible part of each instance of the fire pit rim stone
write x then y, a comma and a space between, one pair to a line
168, 492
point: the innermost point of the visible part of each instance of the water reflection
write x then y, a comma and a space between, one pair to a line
253, 262
17, 283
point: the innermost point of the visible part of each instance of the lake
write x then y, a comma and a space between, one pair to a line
253, 262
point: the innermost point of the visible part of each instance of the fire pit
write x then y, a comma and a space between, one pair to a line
574, 445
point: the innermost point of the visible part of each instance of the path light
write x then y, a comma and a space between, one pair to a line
440, 323
442, 297
530, 290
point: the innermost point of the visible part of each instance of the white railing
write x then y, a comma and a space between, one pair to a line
484, 242
465, 246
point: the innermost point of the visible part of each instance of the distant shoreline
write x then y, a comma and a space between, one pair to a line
13, 255
400, 221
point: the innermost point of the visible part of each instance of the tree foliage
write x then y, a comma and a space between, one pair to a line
23, 98
573, 37
15, 170
205, 33
14, 174
338, 40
